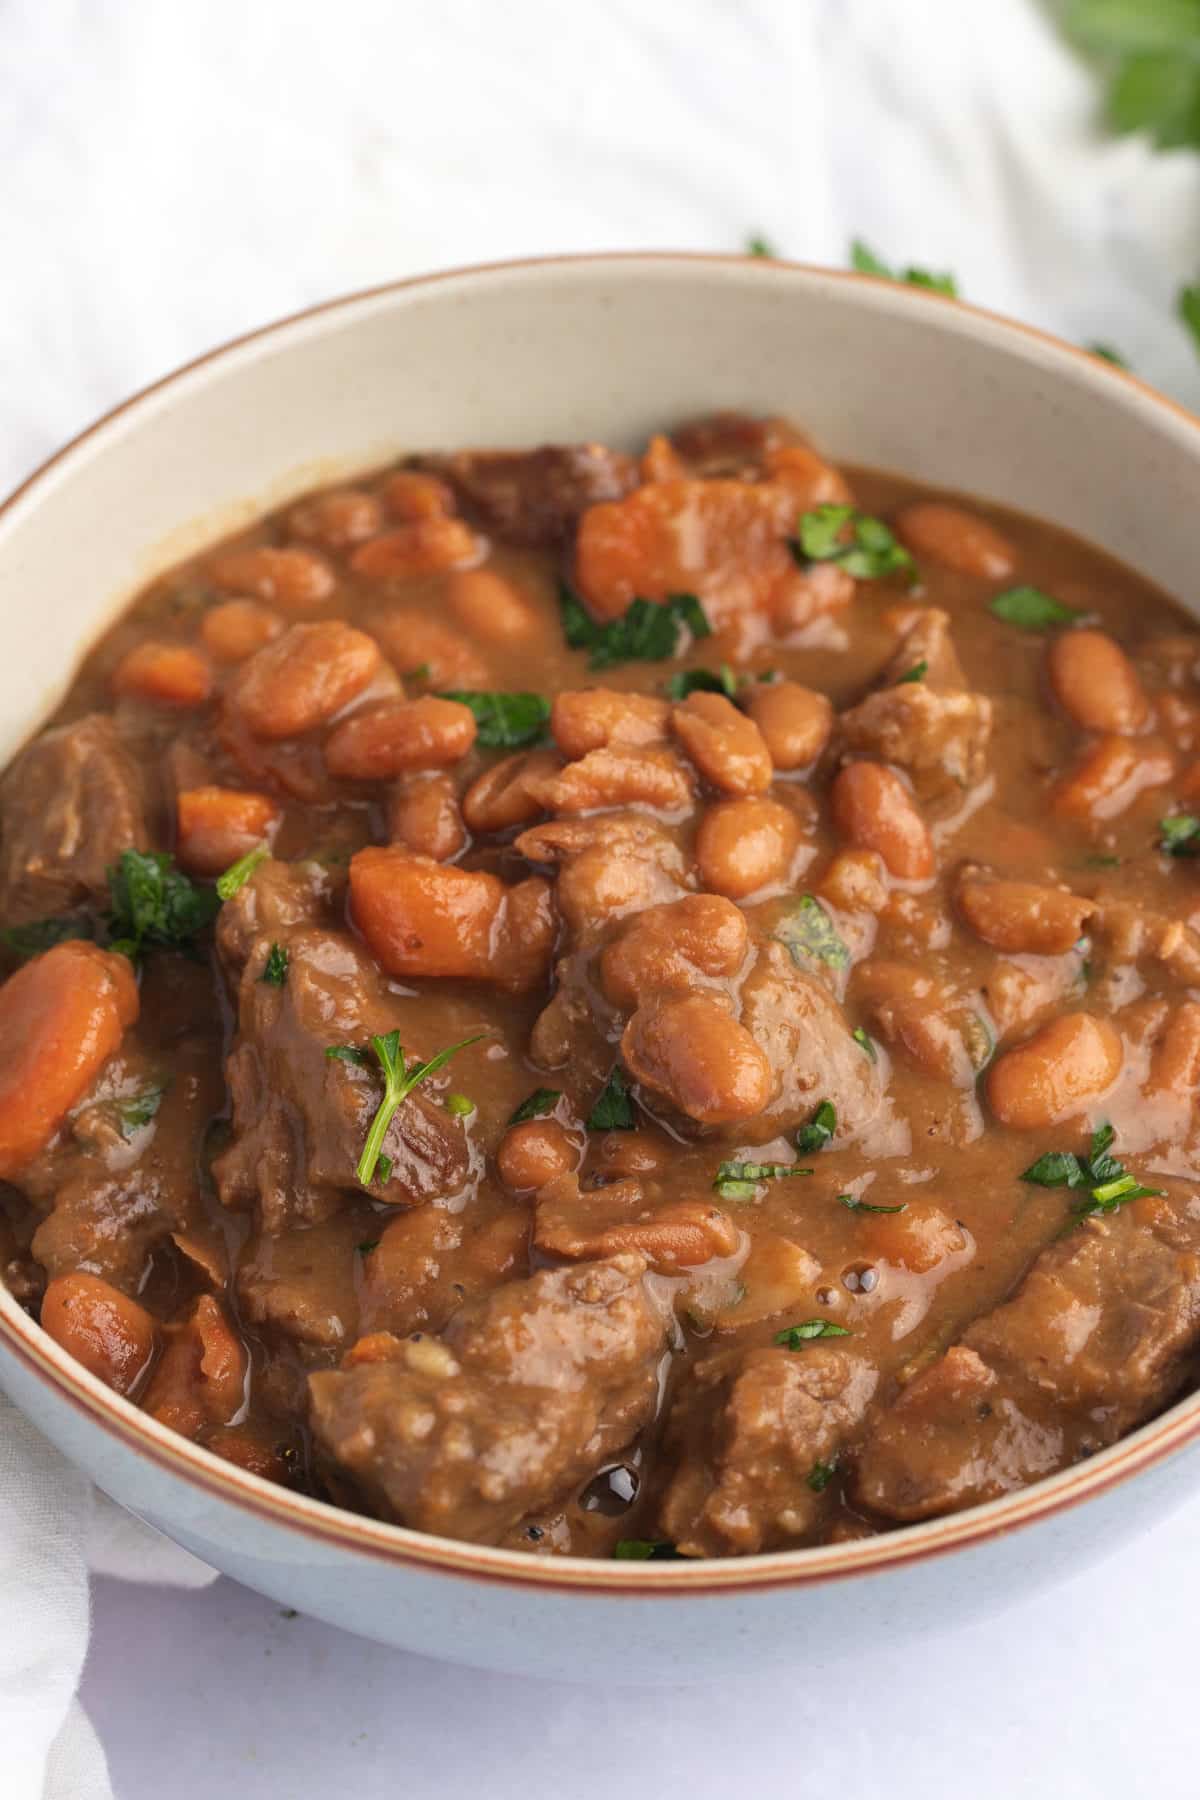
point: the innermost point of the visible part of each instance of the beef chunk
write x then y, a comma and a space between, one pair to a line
729, 443
534, 497
281, 894
747, 1430
300, 1287
524, 1395
69, 805
1095, 1340
300, 1117
930, 725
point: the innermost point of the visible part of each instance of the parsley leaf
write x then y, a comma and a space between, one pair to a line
42, 934
865, 1042
648, 631
1189, 310
645, 1550
820, 1128
1104, 1180
540, 1102
399, 1081
1107, 354
760, 246
366, 1248
853, 1204
348, 1053
705, 681
796, 1336
613, 1110
276, 966
916, 673
821, 1474
1180, 835
808, 931
154, 903
864, 259
739, 1180
238, 874
1030, 609
504, 721
1150, 53
136, 1110
865, 547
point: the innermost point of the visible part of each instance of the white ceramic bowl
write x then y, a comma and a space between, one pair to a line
598, 347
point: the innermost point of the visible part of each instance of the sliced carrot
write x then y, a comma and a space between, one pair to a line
295, 579
200, 1379
223, 1362
61, 1018
235, 629
164, 675
102, 1328
422, 547
216, 825
423, 918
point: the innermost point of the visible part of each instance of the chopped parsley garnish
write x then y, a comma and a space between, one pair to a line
1029, 609
540, 1102
808, 931
1189, 310
460, 1106
796, 1336
1102, 861
423, 672
366, 1248
42, 934
865, 1042
703, 681
978, 1040
155, 904
918, 672
613, 1110
853, 1204
821, 1474
648, 631
739, 1180
1150, 53
1107, 354
645, 1550
399, 1081
863, 546
1180, 835
1104, 1181
504, 721
238, 874
820, 1128
136, 1110
276, 966
760, 246
866, 262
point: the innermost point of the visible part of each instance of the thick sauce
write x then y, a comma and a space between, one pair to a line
882, 913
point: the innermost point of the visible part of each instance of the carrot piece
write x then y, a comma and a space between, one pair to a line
61, 1018
163, 675
102, 1328
245, 1450
223, 1361
200, 1378
423, 918
216, 825
421, 547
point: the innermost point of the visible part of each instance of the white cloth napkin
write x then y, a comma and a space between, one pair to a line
177, 174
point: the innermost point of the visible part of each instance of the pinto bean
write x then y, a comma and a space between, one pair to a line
1175, 1065
692, 1051
408, 494
667, 946
512, 792
102, 1328
1110, 776
725, 745
913, 1015
399, 737
795, 721
622, 775
303, 678
591, 718
423, 815
235, 629
1095, 683
336, 520
957, 539
534, 1152
491, 607
163, 675
855, 881
1064, 1068
1022, 918
297, 580
216, 825
873, 810
422, 547
679, 1235
776, 1276
917, 1239
745, 845
415, 642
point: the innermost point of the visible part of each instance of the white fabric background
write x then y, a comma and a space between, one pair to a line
173, 173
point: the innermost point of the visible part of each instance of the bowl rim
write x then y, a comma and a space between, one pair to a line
337, 1528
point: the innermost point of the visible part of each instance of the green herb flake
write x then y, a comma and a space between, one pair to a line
918, 672
761, 246
648, 631
155, 904
1029, 609
135, 1111
276, 966
865, 1042
1103, 1179
819, 1130
1099, 861
645, 1550
460, 1106
398, 1083
238, 874
539, 1103
1107, 354
809, 933
348, 1053
504, 721
1179, 835
739, 1180
865, 261
701, 681
853, 1204
1189, 297
865, 547
1149, 51
613, 1110
26, 941
796, 1336
366, 1248
821, 1474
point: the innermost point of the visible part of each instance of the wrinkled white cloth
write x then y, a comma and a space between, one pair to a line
176, 174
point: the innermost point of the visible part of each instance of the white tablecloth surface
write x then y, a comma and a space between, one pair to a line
175, 173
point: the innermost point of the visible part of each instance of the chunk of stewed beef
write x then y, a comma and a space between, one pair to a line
755, 1436
1096, 1339
534, 497
922, 717
69, 805
523, 1396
